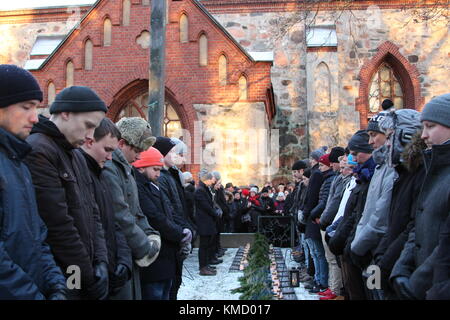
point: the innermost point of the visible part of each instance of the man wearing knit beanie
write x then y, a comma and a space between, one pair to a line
377, 136
63, 189
335, 154
316, 154
28, 270
171, 186
143, 240
436, 120
359, 143
416, 271
156, 279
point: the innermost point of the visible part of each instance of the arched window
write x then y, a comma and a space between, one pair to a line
126, 8
88, 47
138, 107
184, 25
384, 85
107, 32
242, 88
69, 74
203, 50
322, 88
223, 70
51, 93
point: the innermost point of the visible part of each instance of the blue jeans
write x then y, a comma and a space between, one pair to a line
158, 290
305, 249
320, 262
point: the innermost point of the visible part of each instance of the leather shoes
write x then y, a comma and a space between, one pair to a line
216, 261
211, 267
207, 272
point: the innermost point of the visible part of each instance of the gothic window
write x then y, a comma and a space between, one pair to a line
107, 32
203, 48
88, 47
51, 93
384, 85
184, 28
69, 73
126, 12
223, 70
138, 107
322, 89
242, 88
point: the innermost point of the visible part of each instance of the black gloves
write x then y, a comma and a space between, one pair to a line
119, 278
58, 292
402, 288
99, 289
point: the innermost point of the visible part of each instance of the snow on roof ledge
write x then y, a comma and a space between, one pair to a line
33, 64
261, 56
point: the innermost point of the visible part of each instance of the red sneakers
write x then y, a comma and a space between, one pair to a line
331, 296
325, 293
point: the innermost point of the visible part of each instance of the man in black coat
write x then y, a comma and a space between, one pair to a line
412, 275
64, 188
206, 216
172, 186
157, 279
97, 152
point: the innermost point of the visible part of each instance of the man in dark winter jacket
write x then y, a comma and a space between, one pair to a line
172, 186
339, 244
97, 152
27, 268
158, 277
412, 275
64, 188
143, 240
206, 221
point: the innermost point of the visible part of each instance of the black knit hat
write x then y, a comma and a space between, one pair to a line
298, 165
335, 153
387, 104
17, 85
77, 99
164, 145
359, 142
307, 173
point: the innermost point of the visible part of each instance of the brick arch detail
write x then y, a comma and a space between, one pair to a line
406, 73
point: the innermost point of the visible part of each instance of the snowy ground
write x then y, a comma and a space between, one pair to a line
218, 287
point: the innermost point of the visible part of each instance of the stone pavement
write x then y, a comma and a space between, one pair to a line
218, 287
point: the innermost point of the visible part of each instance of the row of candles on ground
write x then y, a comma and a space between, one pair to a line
276, 285
244, 259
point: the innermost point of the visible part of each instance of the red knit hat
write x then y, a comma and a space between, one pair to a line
151, 157
245, 192
325, 159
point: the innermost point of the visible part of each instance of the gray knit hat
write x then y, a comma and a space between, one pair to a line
316, 154
438, 110
359, 142
137, 132
374, 122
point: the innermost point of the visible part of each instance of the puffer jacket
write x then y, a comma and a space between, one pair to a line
334, 200
27, 267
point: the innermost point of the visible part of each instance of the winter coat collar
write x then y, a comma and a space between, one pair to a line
380, 155
92, 163
327, 174
365, 171
120, 158
438, 156
142, 179
14, 147
47, 127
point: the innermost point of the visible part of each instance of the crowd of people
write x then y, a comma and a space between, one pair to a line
92, 210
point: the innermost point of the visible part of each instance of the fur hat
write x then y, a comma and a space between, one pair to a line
137, 132
335, 153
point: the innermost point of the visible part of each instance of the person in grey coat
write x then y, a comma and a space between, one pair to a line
373, 223
412, 275
143, 240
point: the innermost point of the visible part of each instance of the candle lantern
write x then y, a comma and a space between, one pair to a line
294, 275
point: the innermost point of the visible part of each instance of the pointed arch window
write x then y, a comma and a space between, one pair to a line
223, 70
184, 28
243, 88
126, 11
107, 32
51, 92
88, 54
385, 85
69, 73
203, 50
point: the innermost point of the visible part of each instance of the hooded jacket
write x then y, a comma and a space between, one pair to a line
418, 256
374, 219
64, 195
27, 267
